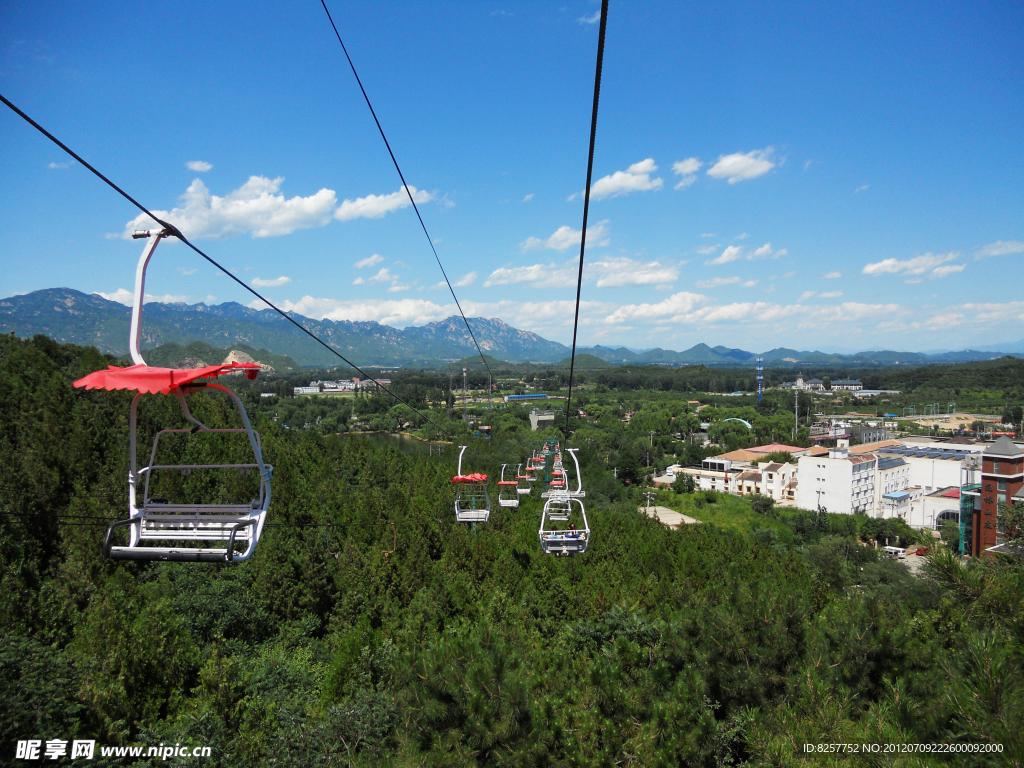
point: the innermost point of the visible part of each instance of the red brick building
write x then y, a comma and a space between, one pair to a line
1002, 478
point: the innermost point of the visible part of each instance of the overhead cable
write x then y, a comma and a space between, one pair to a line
406, 187
586, 202
177, 233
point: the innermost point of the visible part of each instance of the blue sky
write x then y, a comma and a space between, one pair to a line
813, 175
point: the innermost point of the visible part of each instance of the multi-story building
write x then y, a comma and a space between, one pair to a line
892, 480
848, 385
841, 482
1002, 481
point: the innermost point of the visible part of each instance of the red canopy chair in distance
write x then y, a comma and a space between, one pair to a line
186, 530
472, 501
508, 490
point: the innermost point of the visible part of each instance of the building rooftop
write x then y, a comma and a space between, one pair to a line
773, 447
744, 454
871, 447
1004, 446
891, 462
897, 495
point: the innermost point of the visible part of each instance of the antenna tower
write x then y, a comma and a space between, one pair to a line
760, 378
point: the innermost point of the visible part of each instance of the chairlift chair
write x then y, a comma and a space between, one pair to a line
508, 493
171, 530
472, 501
564, 542
562, 489
523, 481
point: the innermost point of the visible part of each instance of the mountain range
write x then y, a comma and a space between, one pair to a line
71, 316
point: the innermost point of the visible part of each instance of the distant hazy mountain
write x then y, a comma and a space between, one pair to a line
71, 316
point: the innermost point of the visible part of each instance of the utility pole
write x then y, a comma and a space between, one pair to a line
464, 394
796, 411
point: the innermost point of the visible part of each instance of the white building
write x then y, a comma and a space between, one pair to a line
892, 478
840, 482
847, 385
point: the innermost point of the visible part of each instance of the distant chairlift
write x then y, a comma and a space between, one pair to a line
472, 501
565, 506
523, 481
185, 530
508, 493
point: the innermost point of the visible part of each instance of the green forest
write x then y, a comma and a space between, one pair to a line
371, 629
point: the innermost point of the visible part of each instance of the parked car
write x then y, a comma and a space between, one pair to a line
920, 551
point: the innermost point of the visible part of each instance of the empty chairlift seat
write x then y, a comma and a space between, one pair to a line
508, 493
472, 501
177, 529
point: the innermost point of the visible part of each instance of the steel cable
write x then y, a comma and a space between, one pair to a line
586, 204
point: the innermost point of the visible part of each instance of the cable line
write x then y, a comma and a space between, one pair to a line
177, 233
586, 202
406, 187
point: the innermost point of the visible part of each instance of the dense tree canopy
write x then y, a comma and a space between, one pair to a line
658, 647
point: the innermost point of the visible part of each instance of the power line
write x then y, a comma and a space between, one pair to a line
406, 186
177, 233
586, 202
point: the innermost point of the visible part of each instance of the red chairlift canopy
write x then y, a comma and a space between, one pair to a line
474, 477
507, 482
150, 380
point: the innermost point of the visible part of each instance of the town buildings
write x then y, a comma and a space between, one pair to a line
1002, 481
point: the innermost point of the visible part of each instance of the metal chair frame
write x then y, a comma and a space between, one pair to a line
563, 542
508, 490
157, 521
472, 501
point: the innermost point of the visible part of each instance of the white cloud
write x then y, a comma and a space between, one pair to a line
830, 295
766, 252
636, 178
832, 276
861, 188
466, 280
739, 166
565, 237
715, 282
687, 169
59, 166
919, 265
707, 250
376, 206
949, 269
397, 287
198, 166
741, 236
806, 295
693, 309
737, 252
528, 198
277, 282
807, 164
707, 234
610, 272
616, 272
676, 305
732, 253
369, 261
126, 297
383, 276
999, 248
188, 272
593, 19
253, 209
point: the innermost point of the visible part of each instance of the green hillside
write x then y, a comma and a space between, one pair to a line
370, 629
197, 354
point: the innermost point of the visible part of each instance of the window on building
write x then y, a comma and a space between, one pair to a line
1001, 485
995, 466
